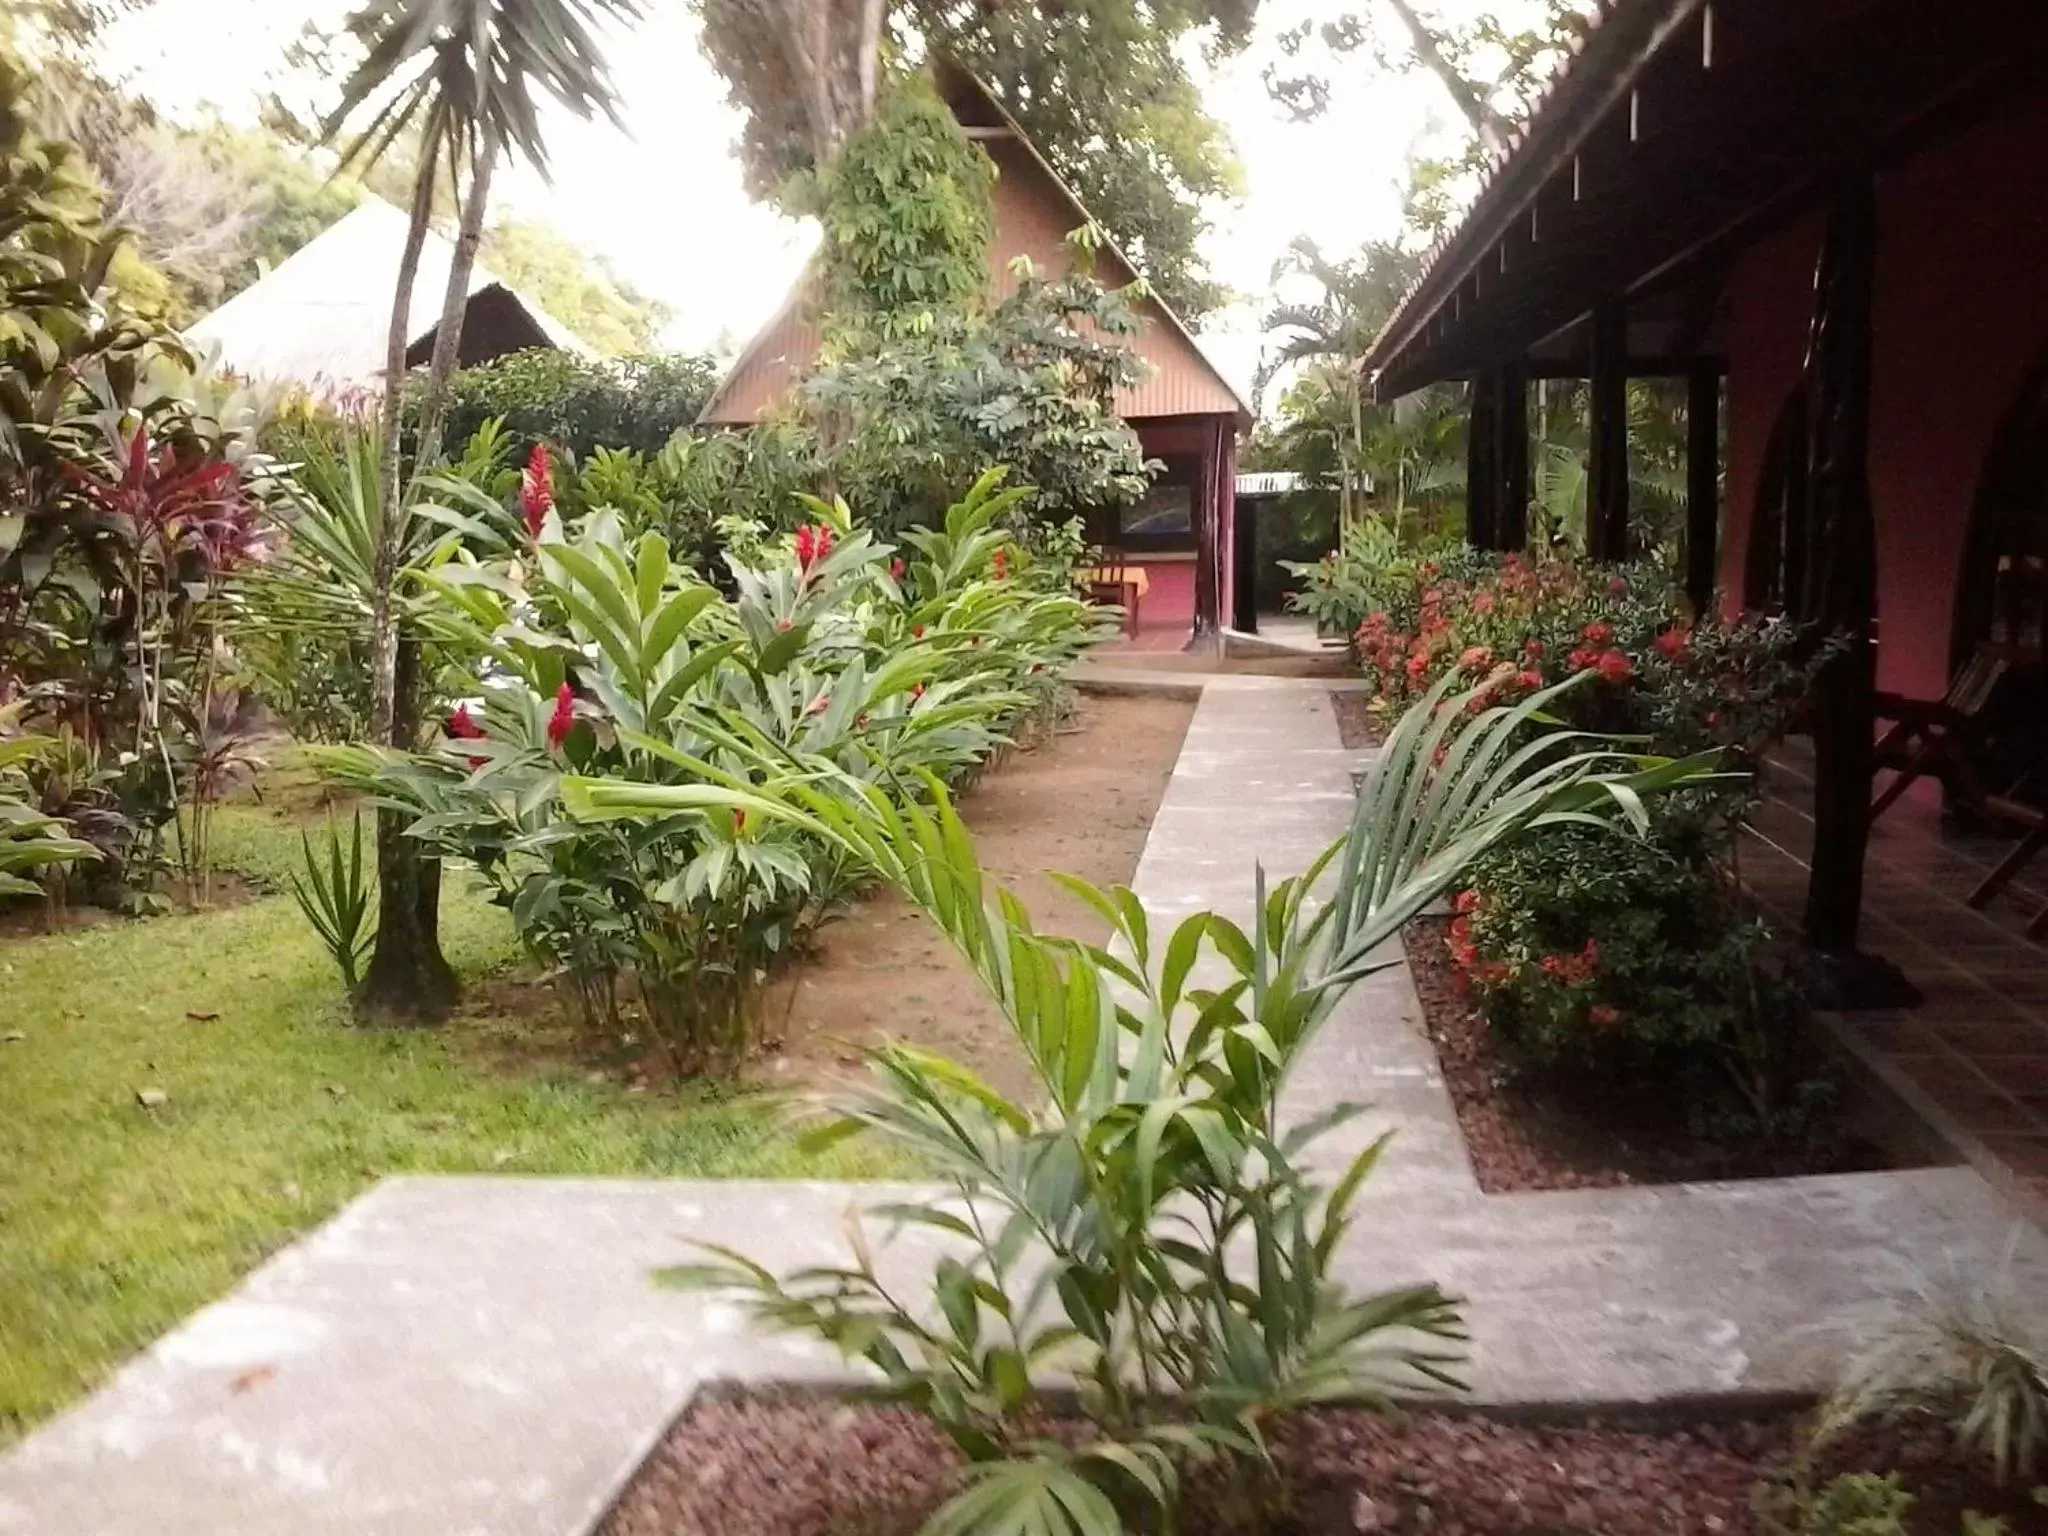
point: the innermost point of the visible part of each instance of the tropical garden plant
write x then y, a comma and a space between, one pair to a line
129, 493
1145, 1223
590, 650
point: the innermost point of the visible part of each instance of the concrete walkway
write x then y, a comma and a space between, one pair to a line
488, 1355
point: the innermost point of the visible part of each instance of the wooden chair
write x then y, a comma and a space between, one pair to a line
1931, 736
2033, 827
1107, 577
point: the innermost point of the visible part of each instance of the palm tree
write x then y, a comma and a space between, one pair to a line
1334, 329
463, 79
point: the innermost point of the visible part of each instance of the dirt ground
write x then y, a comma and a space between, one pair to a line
1079, 802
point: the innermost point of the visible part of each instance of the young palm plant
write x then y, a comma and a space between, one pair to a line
1145, 1226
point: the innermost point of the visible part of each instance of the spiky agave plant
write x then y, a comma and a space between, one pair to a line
1146, 1227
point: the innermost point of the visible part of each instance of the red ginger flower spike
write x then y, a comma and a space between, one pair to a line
462, 727
537, 489
896, 570
813, 544
563, 719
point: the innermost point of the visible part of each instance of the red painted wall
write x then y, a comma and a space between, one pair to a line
1961, 317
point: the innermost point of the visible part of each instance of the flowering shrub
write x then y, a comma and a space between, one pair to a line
1587, 950
1580, 949
1686, 684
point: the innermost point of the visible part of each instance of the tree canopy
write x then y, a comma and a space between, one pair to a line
1100, 86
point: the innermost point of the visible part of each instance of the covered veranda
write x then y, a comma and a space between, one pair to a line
1830, 219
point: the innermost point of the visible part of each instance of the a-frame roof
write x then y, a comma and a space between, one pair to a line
320, 317
1035, 211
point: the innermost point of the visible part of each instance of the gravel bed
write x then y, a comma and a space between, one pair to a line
808, 1466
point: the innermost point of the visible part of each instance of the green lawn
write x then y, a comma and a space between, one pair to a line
116, 1220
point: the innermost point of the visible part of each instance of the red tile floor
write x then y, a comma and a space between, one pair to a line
1974, 1058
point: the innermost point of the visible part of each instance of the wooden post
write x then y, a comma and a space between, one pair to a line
1702, 484
1482, 489
1840, 600
1209, 497
1511, 459
1607, 461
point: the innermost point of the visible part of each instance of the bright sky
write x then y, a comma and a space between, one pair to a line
662, 200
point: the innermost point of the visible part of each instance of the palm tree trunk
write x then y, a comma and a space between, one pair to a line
384, 571
408, 976
454, 305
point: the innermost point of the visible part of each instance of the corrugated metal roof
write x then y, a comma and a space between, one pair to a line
320, 318
1270, 482
1552, 117
1035, 211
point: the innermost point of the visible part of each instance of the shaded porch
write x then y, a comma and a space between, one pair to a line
1974, 1058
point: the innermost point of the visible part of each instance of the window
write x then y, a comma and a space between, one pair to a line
1164, 518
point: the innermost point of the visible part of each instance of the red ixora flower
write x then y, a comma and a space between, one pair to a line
564, 717
537, 489
1599, 634
813, 543
1674, 642
1466, 903
1602, 1016
1476, 659
1001, 564
1533, 650
1618, 587
1614, 667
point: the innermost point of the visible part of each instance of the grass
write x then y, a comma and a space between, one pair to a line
117, 1220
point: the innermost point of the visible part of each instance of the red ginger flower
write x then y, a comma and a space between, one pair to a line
563, 719
813, 544
462, 728
537, 489
896, 570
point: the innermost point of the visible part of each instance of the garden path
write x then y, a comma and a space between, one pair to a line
468, 1355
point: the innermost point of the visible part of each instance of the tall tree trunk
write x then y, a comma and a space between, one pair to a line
408, 976
384, 571
454, 304
1491, 127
